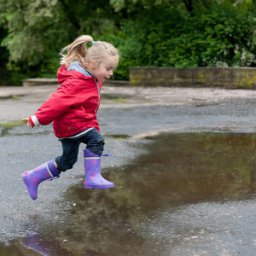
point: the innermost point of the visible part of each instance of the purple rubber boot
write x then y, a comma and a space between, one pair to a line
93, 178
33, 178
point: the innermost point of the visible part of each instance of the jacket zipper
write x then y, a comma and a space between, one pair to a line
98, 88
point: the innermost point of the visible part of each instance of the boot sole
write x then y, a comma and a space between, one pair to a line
98, 187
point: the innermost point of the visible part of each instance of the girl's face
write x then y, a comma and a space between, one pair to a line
104, 70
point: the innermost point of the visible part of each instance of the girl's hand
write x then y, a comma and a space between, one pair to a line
29, 122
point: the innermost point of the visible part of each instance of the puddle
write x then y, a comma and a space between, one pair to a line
178, 170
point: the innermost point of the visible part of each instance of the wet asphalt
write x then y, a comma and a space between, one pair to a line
128, 117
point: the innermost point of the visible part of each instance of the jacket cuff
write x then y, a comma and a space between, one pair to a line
35, 120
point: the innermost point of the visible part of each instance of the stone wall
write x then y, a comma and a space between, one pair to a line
39, 81
229, 78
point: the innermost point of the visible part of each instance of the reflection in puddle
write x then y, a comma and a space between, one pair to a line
178, 169
44, 247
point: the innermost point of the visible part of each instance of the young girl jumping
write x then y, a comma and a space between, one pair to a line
72, 109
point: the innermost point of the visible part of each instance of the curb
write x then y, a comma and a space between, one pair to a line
53, 81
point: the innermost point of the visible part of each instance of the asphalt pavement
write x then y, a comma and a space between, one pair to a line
16, 102
128, 115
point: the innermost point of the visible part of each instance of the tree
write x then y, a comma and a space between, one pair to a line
178, 33
37, 30
222, 35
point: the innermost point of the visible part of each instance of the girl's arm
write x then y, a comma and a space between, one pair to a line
61, 101
31, 121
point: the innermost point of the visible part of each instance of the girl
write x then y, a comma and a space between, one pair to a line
72, 110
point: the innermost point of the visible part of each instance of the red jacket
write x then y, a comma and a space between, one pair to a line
73, 107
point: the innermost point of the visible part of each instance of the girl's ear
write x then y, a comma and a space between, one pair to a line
92, 64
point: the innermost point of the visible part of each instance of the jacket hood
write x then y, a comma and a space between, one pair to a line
63, 74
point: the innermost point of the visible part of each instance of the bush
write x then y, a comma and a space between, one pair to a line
160, 33
222, 36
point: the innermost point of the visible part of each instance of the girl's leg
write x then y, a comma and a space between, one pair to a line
51, 169
34, 177
68, 158
94, 141
92, 153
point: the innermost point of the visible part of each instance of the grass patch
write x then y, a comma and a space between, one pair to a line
12, 124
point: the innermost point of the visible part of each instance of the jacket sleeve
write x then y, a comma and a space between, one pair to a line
52, 108
59, 103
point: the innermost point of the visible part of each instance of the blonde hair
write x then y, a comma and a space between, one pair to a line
80, 50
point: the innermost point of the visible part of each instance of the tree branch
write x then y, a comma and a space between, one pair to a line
69, 13
189, 6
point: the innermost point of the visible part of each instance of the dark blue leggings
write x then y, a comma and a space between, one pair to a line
94, 142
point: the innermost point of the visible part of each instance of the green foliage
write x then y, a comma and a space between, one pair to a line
176, 33
221, 36
37, 30
129, 47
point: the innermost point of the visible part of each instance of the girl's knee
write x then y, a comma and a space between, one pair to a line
64, 164
96, 144
69, 164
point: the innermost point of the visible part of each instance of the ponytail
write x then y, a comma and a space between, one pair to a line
77, 50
